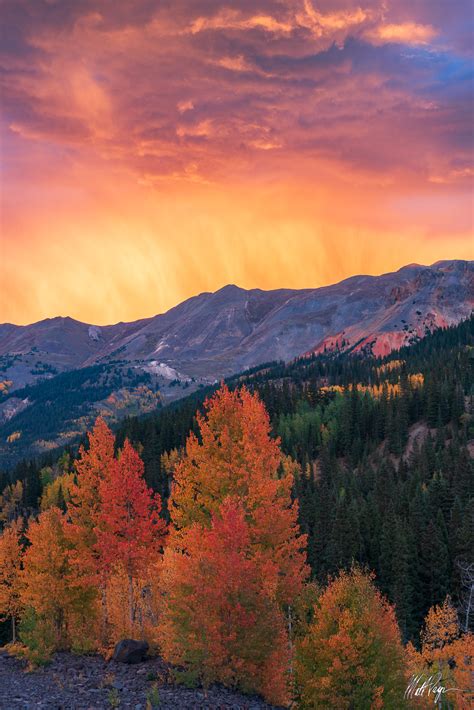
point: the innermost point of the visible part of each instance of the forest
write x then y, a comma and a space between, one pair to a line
58, 407
303, 531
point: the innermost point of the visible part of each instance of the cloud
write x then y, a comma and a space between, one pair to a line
229, 19
217, 87
332, 23
453, 176
209, 101
186, 105
408, 33
237, 63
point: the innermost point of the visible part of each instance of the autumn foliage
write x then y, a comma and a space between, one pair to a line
447, 654
84, 509
11, 553
57, 607
223, 622
84, 580
237, 458
222, 592
235, 560
130, 534
352, 656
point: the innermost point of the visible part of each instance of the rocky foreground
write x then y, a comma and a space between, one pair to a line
89, 683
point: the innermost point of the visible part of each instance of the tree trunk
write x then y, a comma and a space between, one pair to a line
468, 607
105, 615
14, 629
130, 601
290, 638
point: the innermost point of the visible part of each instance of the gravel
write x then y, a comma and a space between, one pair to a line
72, 682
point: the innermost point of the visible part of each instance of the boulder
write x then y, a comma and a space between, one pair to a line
130, 651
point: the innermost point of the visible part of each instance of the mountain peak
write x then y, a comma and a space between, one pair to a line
229, 288
414, 265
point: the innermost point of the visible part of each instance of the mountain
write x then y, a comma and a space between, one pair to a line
411, 499
216, 334
118, 369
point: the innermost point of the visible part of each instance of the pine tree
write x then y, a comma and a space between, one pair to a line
434, 564
401, 592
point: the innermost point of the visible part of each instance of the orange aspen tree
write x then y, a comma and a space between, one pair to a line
92, 466
351, 656
130, 532
56, 605
222, 620
237, 457
11, 552
234, 463
447, 657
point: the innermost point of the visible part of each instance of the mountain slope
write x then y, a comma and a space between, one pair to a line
215, 334
119, 369
405, 430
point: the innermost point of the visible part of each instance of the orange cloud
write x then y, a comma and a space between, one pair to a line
149, 154
233, 19
406, 33
235, 63
330, 22
184, 106
135, 250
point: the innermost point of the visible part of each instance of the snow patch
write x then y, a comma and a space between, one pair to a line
162, 344
166, 371
12, 407
95, 333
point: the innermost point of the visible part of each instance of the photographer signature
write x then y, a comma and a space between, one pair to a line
419, 685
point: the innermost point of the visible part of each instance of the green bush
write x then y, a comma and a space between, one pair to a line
38, 637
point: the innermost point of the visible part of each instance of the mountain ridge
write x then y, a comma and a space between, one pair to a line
228, 286
215, 334
58, 374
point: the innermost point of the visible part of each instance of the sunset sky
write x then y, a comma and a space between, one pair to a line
155, 149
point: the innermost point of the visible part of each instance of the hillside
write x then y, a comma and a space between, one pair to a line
129, 368
383, 446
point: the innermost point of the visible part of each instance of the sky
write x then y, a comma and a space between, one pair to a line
155, 149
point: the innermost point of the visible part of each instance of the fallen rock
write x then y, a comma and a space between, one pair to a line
130, 651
